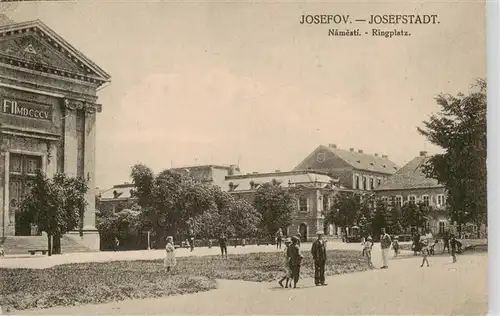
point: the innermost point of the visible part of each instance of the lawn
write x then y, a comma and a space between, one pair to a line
93, 283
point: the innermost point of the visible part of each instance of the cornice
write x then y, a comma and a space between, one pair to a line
82, 105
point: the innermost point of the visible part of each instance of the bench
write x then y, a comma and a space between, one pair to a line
32, 252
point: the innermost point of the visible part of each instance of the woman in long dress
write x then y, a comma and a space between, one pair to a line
169, 261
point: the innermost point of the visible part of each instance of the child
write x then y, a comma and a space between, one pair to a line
288, 271
169, 261
453, 245
431, 250
367, 250
395, 246
425, 252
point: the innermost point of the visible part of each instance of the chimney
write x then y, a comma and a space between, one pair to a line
423, 154
385, 156
360, 151
351, 149
332, 145
277, 170
375, 154
115, 194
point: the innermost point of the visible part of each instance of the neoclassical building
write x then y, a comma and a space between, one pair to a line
48, 108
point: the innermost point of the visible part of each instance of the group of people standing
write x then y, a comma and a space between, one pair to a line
293, 260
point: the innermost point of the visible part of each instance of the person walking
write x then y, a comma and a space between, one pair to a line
169, 261
385, 244
295, 259
425, 252
117, 244
446, 242
223, 245
367, 250
299, 238
395, 246
453, 246
288, 271
318, 251
279, 238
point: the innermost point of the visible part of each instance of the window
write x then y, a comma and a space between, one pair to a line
364, 184
303, 204
392, 200
441, 201
412, 199
378, 182
372, 184
442, 226
356, 182
426, 200
385, 199
399, 200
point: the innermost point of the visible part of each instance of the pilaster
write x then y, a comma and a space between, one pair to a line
70, 136
89, 163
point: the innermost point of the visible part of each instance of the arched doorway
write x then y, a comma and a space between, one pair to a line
303, 231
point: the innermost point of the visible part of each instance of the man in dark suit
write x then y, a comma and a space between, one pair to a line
318, 251
293, 252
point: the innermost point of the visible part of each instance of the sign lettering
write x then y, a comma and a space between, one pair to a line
26, 109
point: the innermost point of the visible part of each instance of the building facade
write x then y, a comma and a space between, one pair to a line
48, 95
312, 193
212, 174
355, 169
117, 198
410, 185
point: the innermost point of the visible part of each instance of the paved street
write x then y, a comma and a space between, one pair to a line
42, 262
404, 288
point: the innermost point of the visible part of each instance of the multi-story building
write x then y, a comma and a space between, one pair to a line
117, 198
213, 174
354, 168
48, 108
410, 185
311, 190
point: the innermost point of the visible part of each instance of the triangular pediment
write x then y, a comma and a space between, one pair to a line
33, 45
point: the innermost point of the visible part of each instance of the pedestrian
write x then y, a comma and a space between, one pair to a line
385, 244
2, 251
367, 250
425, 252
416, 244
453, 246
191, 243
446, 242
279, 238
318, 251
223, 245
295, 259
169, 261
117, 244
299, 238
395, 246
288, 271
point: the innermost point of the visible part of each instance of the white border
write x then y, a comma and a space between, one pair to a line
492, 62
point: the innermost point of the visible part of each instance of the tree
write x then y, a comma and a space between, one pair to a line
56, 206
460, 129
142, 177
414, 215
346, 209
275, 206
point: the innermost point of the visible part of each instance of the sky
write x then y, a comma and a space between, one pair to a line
245, 83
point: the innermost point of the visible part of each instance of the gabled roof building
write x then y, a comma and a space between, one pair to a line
354, 168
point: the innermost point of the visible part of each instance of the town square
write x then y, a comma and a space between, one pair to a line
223, 158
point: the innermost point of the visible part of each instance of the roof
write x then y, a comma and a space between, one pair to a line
363, 161
122, 192
411, 176
285, 179
37, 26
203, 172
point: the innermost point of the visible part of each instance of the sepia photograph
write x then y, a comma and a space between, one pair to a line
243, 158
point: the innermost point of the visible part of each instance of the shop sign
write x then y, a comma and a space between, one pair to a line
26, 109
